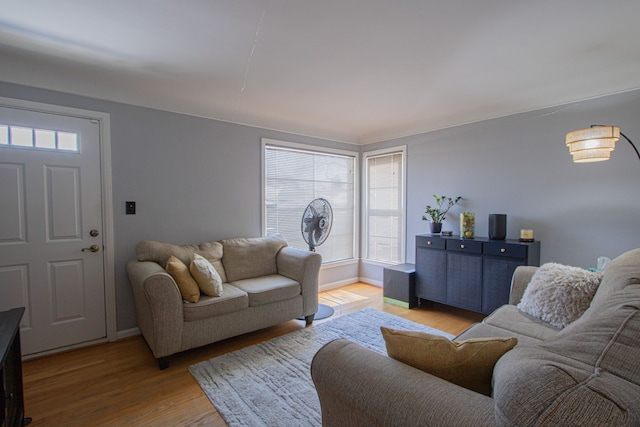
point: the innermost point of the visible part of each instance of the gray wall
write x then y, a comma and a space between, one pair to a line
194, 179
519, 165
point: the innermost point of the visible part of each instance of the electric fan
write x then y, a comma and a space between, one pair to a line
315, 227
316, 223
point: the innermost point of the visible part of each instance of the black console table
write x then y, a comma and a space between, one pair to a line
12, 406
474, 274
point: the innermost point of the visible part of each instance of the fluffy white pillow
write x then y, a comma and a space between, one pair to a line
559, 294
206, 275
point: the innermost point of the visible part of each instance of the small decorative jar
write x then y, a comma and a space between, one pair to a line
526, 236
467, 225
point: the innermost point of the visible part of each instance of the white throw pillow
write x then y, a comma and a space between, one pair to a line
206, 275
559, 294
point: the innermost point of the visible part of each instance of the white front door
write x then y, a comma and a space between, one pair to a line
51, 228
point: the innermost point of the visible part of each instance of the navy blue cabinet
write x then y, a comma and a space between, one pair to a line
474, 274
431, 269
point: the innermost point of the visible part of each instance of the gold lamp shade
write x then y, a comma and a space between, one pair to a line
593, 144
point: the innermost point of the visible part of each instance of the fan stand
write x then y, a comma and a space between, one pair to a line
323, 312
311, 225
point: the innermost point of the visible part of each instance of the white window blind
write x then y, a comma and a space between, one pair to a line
293, 178
384, 211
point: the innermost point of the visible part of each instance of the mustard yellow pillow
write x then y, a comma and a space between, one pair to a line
186, 284
466, 363
206, 275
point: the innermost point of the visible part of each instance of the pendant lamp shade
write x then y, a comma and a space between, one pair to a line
593, 144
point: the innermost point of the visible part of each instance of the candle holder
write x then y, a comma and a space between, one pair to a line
526, 236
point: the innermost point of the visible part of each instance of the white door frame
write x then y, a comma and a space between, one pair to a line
104, 122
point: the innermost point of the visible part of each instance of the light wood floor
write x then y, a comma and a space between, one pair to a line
119, 384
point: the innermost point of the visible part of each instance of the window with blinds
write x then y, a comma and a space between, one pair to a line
293, 178
385, 206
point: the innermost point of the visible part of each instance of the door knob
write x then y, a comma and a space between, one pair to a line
92, 248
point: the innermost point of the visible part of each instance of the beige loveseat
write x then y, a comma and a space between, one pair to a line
265, 282
586, 374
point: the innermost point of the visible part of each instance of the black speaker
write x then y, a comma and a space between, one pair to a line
497, 226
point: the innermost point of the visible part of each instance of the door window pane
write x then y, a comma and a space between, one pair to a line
68, 141
22, 137
45, 138
4, 134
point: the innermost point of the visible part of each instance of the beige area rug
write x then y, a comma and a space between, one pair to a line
269, 384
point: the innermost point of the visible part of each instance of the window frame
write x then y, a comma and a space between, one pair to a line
316, 150
402, 239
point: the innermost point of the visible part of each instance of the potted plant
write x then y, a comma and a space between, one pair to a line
437, 213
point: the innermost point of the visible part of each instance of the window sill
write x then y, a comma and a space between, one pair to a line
379, 263
336, 264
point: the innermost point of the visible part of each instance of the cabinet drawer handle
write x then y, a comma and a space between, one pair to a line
429, 242
503, 250
461, 246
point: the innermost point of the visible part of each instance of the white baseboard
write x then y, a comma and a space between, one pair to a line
128, 333
333, 285
337, 284
377, 283
64, 349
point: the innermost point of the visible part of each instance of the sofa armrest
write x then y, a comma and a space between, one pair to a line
360, 387
303, 267
158, 307
521, 278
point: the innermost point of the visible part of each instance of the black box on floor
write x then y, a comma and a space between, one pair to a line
398, 285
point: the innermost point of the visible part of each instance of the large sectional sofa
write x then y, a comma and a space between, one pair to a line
584, 374
264, 282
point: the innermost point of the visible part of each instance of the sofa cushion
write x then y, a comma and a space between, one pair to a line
510, 318
159, 252
232, 300
268, 289
559, 294
626, 297
246, 258
483, 330
207, 277
620, 317
186, 283
536, 387
466, 363
619, 273
587, 375
212, 251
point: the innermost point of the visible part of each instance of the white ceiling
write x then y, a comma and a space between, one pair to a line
357, 71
